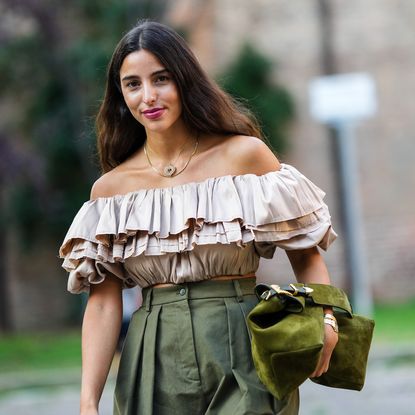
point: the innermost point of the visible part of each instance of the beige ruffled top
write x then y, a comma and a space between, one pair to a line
194, 231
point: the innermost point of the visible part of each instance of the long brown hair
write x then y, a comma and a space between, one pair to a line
206, 108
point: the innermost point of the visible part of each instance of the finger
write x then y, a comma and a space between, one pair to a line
320, 371
330, 341
317, 368
317, 372
323, 364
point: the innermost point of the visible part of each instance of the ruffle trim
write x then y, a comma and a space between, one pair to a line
275, 207
85, 272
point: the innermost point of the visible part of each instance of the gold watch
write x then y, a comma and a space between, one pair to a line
331, 321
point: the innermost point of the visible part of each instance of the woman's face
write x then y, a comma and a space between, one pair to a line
149, 91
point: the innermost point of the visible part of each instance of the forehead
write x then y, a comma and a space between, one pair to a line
140, 63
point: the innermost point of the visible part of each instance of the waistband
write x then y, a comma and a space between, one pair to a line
198, 290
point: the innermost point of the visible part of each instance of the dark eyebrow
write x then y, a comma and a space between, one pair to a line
129, 77
159, 72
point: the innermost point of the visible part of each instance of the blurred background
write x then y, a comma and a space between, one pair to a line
53, 58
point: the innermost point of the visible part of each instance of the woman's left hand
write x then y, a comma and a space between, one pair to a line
330, 341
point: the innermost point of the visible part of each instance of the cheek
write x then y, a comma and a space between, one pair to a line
132, 104
131, 100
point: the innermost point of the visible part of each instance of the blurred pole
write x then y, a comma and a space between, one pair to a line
342, 142
353, 226
328, 62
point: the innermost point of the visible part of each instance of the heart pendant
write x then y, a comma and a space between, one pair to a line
169, 170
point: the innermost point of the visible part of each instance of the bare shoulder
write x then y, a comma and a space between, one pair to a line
105, 186
250, 155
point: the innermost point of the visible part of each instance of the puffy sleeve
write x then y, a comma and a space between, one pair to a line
87, 256
286, 211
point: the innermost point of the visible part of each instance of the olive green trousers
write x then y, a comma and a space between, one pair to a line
187, 352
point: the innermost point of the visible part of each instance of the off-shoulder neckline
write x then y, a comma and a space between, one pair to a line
181, 185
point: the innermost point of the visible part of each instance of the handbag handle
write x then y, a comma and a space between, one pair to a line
320, 294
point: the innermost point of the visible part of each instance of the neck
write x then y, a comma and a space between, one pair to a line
167, 144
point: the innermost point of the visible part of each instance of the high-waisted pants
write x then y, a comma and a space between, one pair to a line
187, 352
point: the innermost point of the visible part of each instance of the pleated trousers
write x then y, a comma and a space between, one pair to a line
187, 352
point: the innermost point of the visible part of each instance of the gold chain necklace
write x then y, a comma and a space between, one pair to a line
170, 170
171, 165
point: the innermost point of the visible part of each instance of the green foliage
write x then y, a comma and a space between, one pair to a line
395, 322
27, 208
54, 80
40, 351
248, 78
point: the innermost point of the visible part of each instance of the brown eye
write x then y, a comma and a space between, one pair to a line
133, 84
162, 78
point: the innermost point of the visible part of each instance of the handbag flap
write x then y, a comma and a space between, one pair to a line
327, 295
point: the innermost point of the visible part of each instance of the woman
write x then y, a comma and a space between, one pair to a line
190, 200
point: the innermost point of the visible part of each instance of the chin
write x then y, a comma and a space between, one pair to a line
160, 126
157, 128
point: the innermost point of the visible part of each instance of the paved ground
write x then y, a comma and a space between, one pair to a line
389, 389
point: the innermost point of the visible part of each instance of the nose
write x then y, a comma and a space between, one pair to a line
149, 93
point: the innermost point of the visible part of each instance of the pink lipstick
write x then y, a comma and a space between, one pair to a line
153, 113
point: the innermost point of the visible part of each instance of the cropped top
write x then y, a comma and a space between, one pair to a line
194, 231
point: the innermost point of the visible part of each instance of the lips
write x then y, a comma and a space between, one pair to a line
153, 113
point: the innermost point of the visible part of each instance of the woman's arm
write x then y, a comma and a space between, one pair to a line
100, 331
309, 267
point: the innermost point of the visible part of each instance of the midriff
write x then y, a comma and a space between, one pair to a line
218, 277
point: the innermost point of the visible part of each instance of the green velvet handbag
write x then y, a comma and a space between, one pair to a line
287, 331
